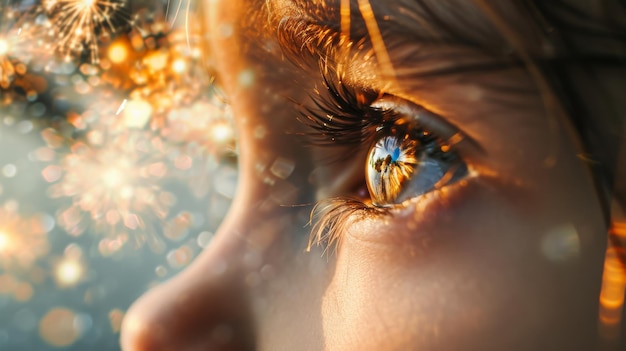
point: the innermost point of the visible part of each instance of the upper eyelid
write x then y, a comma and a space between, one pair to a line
448, 132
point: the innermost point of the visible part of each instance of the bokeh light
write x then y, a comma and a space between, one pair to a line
117, 164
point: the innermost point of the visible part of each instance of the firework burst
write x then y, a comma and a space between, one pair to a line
113, 180
80, 24
14, 29
22, 240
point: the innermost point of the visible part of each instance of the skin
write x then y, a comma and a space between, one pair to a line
468, 267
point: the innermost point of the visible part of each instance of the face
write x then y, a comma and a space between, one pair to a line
453, 211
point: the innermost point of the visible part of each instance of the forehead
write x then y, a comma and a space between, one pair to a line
482, 24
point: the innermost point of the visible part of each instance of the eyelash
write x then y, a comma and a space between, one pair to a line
340, 115
343, 116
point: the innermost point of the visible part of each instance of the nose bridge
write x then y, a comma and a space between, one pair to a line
205, 307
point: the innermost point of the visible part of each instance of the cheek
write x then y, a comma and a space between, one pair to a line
457, 279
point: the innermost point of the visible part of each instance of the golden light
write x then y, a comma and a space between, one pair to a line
89, 3
221, 132
79, 23
137, 113
156, 61
118, 53
57, 327
22, 240
4, 47
68, 272
112, 178
179, 66
5, 241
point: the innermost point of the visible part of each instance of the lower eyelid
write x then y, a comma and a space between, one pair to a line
422, 218
348, 217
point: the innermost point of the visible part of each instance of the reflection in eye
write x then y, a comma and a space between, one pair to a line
408, 161
413, 152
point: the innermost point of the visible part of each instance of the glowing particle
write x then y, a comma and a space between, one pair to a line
179, 66
246, 78
260, 132
9, 170
112, 178
179, 257
52, 173
73, 251
115, 318
118, 53
68, 272
4, 47
225, 30
22, 240
561, 243
160, 271
183, 162
221, 132
5, 241
156, 61
204, 238
23, 292
137, 113
177, 228
26, 127
45, 222
282, 168
107, 247
57, 327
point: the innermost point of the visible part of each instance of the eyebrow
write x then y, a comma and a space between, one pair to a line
298, 36
420, 41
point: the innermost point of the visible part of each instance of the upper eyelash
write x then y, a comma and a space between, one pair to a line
341, 115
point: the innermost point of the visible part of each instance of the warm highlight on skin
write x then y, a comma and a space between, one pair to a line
506, 257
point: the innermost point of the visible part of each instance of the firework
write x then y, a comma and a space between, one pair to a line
81, 24
16, 27
22, 240
169, 77
113, 180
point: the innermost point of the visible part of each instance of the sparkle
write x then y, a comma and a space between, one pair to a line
122, 195
69, 272
80, 23
221, 132
118, 53
22, 239
4, 47
5, 241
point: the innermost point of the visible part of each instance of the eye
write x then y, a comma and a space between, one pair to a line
407, 160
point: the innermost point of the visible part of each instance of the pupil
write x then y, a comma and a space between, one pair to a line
396, 154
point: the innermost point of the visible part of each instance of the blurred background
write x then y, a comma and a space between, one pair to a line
117, 163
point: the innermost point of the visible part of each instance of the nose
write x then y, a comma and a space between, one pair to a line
203, 308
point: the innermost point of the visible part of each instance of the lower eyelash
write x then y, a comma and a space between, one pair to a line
332, 216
